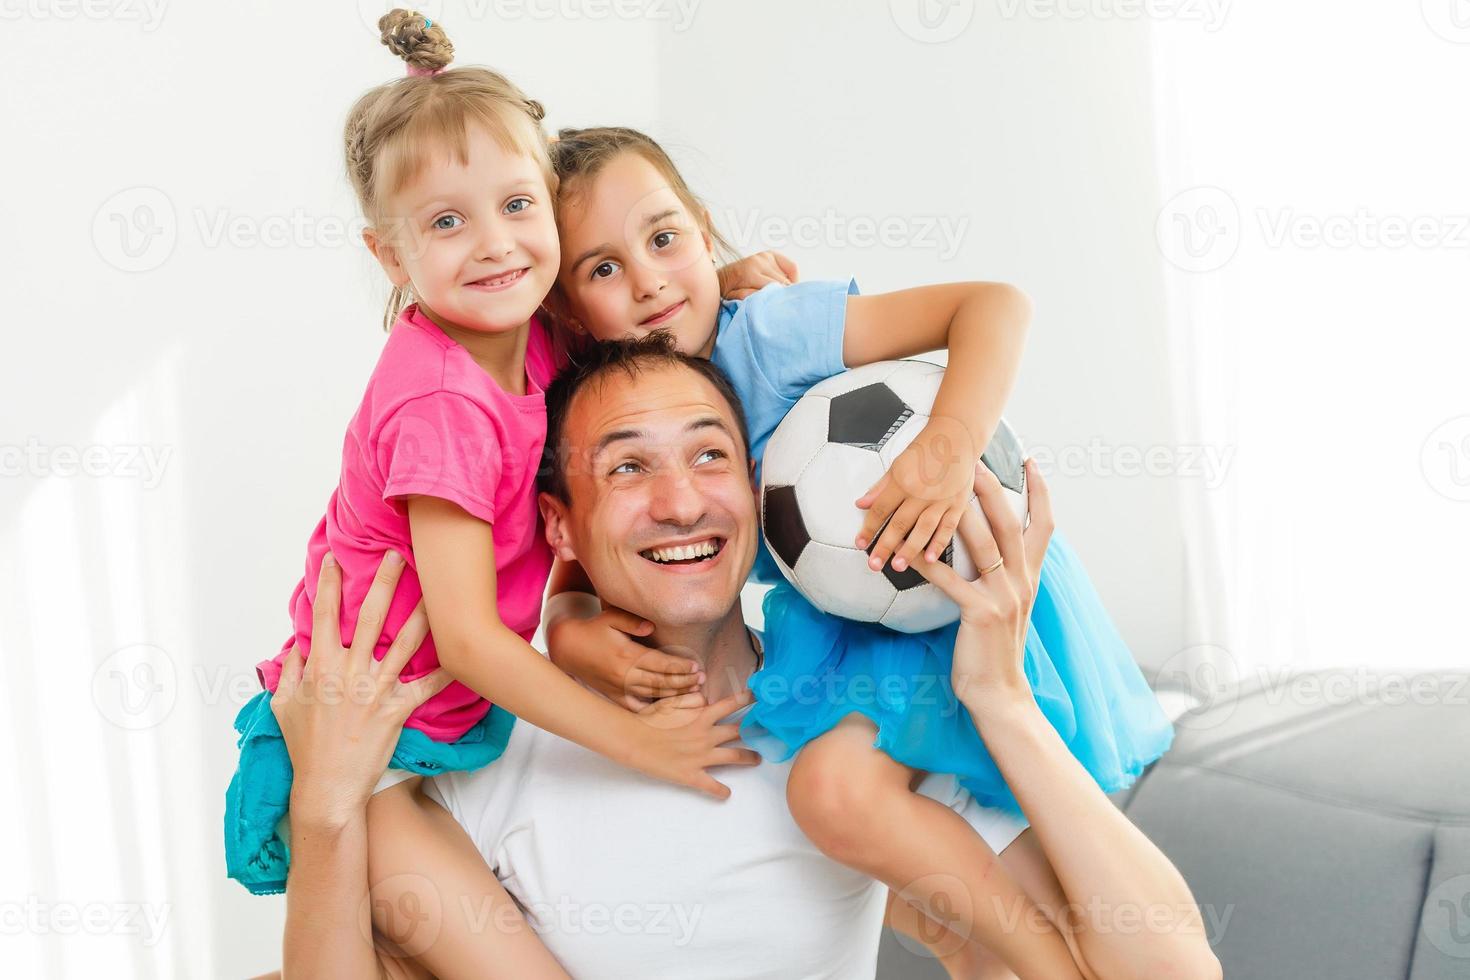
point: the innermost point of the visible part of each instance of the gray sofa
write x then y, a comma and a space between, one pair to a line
1322, 821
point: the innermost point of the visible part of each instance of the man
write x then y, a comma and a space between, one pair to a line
624, 876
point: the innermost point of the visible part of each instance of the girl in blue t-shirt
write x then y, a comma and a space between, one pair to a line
637, 256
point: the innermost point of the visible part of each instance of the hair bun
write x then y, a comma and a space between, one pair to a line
415, 39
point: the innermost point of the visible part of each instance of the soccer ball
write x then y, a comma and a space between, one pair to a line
834, 444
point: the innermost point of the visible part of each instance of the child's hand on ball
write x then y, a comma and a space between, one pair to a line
922, 497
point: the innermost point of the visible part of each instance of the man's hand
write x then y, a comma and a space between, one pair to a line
340, 709
995, 609
754, 272
602, 653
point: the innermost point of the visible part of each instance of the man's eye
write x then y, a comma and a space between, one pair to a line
715, 453
664, 239
517, 205
625, 467
439, 221
604, 270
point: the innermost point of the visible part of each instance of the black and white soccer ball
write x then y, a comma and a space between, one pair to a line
834, 444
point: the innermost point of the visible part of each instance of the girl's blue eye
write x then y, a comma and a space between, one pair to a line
664, 239
604, 270
511, 208
443, 217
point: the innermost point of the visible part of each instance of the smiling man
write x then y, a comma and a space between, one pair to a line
651, 489
620, 875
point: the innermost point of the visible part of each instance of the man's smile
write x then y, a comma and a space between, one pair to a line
696, 551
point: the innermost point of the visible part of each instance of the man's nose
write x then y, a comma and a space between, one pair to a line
676, 500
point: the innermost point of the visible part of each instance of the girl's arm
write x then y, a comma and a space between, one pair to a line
455, 557
983, 325
597, 645
1113, 868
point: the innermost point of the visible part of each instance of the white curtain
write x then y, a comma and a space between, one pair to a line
1315, 234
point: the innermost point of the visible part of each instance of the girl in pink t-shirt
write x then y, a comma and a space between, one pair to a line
438, 467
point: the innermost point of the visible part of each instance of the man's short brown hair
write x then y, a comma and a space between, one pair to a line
653, 350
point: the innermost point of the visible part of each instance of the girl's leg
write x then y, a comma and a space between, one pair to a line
962, 959
436, 901
858, 806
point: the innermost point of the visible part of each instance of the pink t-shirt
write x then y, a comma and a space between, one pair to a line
433, 422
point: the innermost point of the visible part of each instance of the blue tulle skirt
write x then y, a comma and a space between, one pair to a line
820, 668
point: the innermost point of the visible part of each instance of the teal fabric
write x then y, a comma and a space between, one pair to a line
260, 791
820, 668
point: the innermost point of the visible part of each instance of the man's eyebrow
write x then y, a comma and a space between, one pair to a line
595, 250
694, 425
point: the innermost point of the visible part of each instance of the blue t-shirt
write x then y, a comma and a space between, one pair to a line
774, 345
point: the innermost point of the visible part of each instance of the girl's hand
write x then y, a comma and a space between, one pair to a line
341, 710
685, 737
922, 496
750, 274
600, 651
995, 609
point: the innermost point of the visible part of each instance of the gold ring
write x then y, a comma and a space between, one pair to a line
998, 562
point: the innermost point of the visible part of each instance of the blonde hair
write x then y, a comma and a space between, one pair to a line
395, 129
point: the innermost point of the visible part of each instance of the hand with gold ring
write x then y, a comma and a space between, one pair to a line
995, 608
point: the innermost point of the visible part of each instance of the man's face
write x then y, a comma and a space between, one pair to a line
656, 471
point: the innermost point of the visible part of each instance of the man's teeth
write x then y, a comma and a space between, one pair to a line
684, 552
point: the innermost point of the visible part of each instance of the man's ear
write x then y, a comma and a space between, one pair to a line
755, 485
386, 255
554, 516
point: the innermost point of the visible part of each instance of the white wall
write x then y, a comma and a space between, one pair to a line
236, 362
